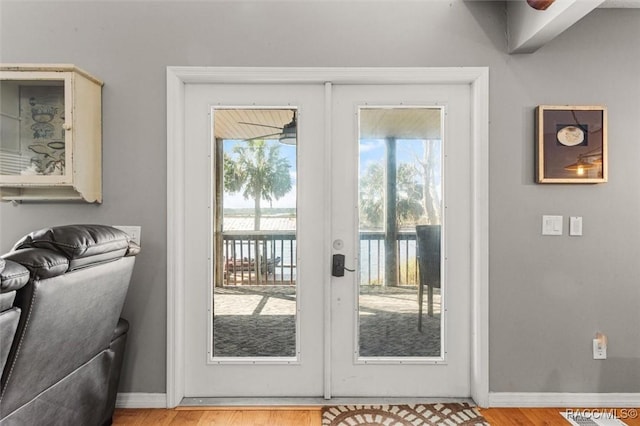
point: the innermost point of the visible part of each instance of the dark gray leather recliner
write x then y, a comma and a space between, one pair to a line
13, 277
62, 358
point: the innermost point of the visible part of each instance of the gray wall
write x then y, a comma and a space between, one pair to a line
548, 295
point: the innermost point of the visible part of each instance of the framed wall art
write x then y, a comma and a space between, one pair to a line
571, 144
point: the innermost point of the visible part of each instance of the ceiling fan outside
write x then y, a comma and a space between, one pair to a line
286, 135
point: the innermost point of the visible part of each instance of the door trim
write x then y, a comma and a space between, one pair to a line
476, 77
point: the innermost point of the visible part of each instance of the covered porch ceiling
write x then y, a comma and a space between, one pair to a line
375, 122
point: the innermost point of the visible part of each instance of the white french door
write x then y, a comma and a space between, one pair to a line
381, 343
341, 329
221, 320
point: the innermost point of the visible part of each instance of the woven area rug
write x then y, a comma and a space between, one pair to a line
450, 414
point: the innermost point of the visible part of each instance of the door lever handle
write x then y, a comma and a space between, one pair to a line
337, 266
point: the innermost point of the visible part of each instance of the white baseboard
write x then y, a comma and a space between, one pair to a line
561, 399
141, 400
496, 399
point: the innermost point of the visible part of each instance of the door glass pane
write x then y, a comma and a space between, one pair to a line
254, 293
400, 215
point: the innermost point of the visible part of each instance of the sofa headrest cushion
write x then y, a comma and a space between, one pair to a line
81, 244
41, 263
13, 276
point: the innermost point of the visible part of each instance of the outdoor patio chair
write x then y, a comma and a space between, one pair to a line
269, 265
428, 237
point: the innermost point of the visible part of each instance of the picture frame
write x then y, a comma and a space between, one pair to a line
571, 144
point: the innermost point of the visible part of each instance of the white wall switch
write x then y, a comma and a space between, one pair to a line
551, 225
135, 232
575, 226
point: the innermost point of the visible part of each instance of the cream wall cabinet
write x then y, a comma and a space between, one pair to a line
50, 134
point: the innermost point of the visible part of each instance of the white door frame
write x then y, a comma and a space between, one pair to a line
476, 77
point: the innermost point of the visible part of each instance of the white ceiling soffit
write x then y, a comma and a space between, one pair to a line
529, 29
620, 4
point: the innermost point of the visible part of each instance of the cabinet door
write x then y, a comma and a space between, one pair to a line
50, 134
35, 114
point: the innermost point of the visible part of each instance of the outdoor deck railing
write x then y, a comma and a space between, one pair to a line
275, 251
277, 258
372, 258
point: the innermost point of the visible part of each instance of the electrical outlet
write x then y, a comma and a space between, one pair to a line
134, 232
600, 347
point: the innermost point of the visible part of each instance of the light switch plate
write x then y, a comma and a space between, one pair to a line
134, 232
551, 225
575, 226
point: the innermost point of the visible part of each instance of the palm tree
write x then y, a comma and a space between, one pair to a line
257, 169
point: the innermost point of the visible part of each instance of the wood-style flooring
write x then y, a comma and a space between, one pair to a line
311, 416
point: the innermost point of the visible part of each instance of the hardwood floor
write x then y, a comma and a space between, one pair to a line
312, 416
219, 417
